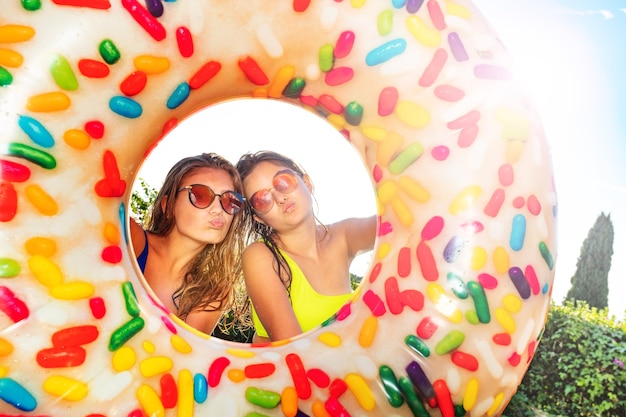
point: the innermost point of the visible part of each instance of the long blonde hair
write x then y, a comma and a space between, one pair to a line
212, 277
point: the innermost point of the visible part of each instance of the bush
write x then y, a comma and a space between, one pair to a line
578, 369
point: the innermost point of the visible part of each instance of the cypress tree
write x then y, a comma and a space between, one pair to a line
590, 281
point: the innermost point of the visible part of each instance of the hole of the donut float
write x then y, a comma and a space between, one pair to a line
342, 184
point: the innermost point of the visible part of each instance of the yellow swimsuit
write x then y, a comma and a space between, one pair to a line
310, 307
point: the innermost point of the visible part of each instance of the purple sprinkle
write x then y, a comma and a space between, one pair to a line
457, 48
491, 72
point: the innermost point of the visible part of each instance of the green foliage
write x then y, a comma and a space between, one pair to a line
141, 201
578, 369
590, 281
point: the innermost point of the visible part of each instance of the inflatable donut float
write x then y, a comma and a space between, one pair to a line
450, 313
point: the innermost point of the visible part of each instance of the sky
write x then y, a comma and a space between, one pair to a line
571, 56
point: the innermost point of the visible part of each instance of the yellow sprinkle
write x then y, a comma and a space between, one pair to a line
388, 148
471, 393
77, 139
383, 250
285, 74
236, 375
330, 339
368, 331
412, 114
497, 401
479, 258
40, 246
151, 64
514, 150
11, 59
77, 290
444, 304
6, 348
46, 271
148, 346
185, 394
180, 344
424, 35
402, 211
41, 200
505, 320
361, 391
336, 121
112, 234
516, 124
512, 303
240, 353
465, 199
150, 401
455, 9
501, 260
48, 102
155, 366
413, 189
3, 371
65, 388
260, 92
357, 3
123, 359
386, 191
374, 133
15, 33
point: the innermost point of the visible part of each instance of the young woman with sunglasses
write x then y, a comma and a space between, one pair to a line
296, 269
190, 250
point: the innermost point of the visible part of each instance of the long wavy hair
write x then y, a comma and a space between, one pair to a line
214, 276
257, 230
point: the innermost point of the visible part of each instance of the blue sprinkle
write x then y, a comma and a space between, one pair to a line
16, 395
179, 96
454, 248
385, 52
36, 131
125, 107
518, 232
200, 388
398, 4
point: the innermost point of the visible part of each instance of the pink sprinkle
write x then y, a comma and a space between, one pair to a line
338, 76
374, 303
387, 101
375, 272
377, 173
505, 174
308, 101
534, 206
487, 281
469, 119
404, 262
344, 312
449, 93
330, 103
467, 136
344, 44
169, 325
433, 228
436, 16
440, 153
385, 228
97, 307
518, 202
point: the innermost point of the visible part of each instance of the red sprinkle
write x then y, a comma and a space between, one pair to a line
433, 228
334, 408
169, 391
533, 281
204, 74
134, 83
319, 377
252, 71
12, 306
374, 303
8, 201
145, 19
436, 16
534, 206
300, 6
444, 399
427, 262
387, 101
95, 129
98, 309
469, 119
330, 103
375, 271
259, 370
298, 375
94, 4
344, 312
514, 359
502, 339
404, 262
338, 76
426, 328
309, 101
518, 202
449, 93
344, 44
434, 68
92, 68
61, 357
377, 173
397, 300
216, 369
14, 172
337, 388
75, 336
465, 360
185, 42
112, 254
111, 185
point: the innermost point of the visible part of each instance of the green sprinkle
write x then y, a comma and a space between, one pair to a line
409, 155
354, 113
456, 284
9, 268
63, 74
109, 52
130, 299
451, 341
294, 87
326, 57
5, 77
413, 401
31, 5
547, 256
41, 158
417, 345
262, 398
480, 301
385, 22
390, 384
125, 332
